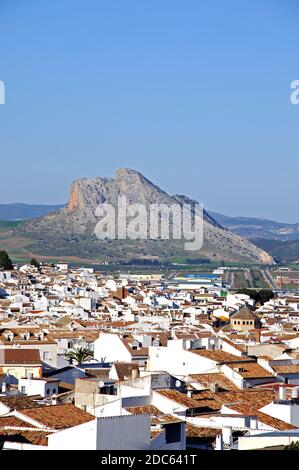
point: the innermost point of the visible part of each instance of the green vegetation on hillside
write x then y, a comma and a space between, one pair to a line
8, 225
281, 251
5, 261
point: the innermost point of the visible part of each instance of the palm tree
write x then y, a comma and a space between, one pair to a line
79, 355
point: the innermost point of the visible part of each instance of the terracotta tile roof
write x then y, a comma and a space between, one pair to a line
87, 335
18, 402
249, 370
37, 438
207, 400
124, 370
134, 352
255, 397
286, 369
58, 416
12, 421
178, 397
120, 324
20, 356
245, 314
202, 432
146, 409
216, 378
18, 338
275, 423
218, 355
157, 416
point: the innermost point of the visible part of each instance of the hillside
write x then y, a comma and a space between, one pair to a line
252, 228
70, 231
282, 251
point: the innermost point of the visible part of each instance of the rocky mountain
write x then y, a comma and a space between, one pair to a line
70, 231
19, 211
253, 228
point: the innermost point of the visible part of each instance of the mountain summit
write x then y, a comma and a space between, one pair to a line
70, 231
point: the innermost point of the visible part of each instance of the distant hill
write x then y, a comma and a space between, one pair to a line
70, 231
282, 251
252, 228
19, 211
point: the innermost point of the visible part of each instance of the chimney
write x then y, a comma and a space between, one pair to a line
189, 392
258, 336
54, 399
219, 443
253, 422
214, 387
282, 393
227, 434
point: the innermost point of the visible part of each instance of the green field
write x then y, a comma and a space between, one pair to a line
239, 280
8, 225
258, 279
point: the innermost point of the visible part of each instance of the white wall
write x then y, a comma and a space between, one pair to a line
109, 348
124, 433
285, 412
111, 433
177, 361
38, 387
168, 406
259, 442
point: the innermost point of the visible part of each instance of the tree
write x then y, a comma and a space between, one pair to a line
34, 263
265, 295
259, 295
5, 261
79, 355
293, 446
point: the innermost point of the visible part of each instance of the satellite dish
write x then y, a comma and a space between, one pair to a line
178, 383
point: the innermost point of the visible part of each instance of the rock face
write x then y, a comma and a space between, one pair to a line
70, 231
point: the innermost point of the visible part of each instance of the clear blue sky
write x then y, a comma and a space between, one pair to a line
194, 94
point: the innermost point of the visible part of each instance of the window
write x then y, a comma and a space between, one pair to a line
173, 433
46, 355
48, 391
23, 390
